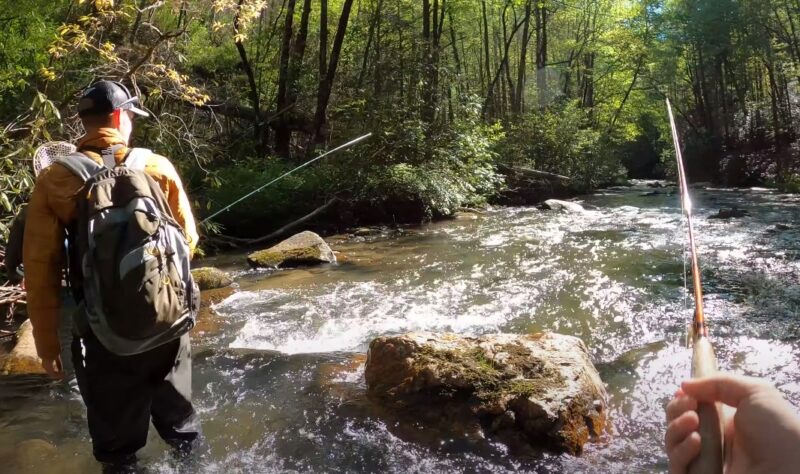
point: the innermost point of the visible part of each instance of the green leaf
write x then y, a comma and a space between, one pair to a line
5, 202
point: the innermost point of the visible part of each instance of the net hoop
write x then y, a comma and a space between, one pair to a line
48, 153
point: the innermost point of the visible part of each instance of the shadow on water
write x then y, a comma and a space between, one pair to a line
279, 380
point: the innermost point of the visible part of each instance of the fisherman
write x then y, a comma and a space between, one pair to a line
763, 436
121, 392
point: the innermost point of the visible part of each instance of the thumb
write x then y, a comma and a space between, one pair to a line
726, 388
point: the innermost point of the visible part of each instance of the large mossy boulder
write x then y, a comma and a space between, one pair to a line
210, 278
23, 359
305, 248
534, 393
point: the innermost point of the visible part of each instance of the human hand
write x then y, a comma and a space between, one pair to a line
53, 367
763, 436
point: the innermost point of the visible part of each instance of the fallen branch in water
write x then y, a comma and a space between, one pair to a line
237, 242
287, 227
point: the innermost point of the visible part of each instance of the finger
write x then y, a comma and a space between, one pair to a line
682, 454
680, 428
725, 388
680, 405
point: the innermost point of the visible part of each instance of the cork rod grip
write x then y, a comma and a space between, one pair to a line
710, 459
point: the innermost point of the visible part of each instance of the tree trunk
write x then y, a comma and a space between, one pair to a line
259, 137
324, 92
588, 80
323, 38
370, 35
503, 64
541, 54
283, 135
454, 44
297, 55
519, 104
509, 96
432, 23
639, 65
488, 67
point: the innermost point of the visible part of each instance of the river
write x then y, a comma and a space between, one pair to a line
279, 384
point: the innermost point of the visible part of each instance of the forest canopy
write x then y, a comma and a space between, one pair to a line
459, 95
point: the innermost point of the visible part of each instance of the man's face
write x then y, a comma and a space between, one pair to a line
126, 124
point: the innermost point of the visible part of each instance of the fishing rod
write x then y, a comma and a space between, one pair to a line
704, 361
246, 196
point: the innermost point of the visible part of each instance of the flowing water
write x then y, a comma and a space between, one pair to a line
278, 376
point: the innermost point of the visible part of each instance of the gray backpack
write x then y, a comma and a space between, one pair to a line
132, 256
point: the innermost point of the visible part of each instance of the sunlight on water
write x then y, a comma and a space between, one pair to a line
612, 276
280, 386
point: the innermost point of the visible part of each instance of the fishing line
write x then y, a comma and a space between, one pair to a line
248, 195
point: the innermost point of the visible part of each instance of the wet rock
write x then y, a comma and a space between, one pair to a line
465, 216
34, 454
779, 228
208, 321
337, 239
367, 231
701, 185
305, 248
532, 392
22, 360
557, 205
210, 278
341, 378
730, 213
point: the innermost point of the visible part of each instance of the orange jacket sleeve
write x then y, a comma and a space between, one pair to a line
167, 177
51, 207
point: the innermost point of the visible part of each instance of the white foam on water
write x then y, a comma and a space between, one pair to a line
347, 316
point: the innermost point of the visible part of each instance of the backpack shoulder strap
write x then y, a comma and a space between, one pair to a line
81, 165
137, 158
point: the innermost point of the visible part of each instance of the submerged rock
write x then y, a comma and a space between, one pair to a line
730, 213
366, 231
533, 392
466, 216
558, 205
209, 322
779, 228
305, 248
22, 360
210, 278
34, 455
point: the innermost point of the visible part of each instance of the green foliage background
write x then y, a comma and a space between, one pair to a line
447, 122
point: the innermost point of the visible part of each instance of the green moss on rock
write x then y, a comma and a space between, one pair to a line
306, 248
286, 258
541, 389
210, 278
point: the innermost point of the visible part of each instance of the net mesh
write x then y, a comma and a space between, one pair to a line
46, 154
